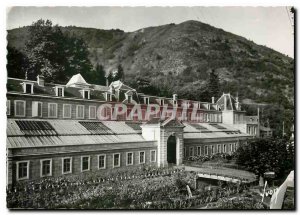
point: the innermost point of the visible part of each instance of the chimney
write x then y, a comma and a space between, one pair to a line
174, 97
40, 80
213, 100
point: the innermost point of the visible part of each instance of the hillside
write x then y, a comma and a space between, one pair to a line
178, 59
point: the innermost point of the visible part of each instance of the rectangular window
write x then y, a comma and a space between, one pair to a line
85, 163
129, 99
66, 165
230, 147
235, 147
224, 148
116, 160
36, 109
20, 108
146, 100
80, 111
198, 150
67, 111
108, 97
213, 149
22, 170
153, 155
28, 88
86, 94
129, 158
59, 91
7, 107
219, 148
46, 167
92, 112
142, 157
191, 152
52, 110
206, 150
101, 161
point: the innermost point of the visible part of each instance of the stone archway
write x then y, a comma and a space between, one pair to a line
172, 150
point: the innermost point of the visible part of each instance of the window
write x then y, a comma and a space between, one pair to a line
146, 100
219, 149
153, 155
175, 102
234, 147
161, 102
129, 98
92, 112
213, 149
59, 91
206, 150
129, 158
108, 97
101, 161
224, 148
142, 157
85, 163
67, 111
46, 167
80, 111
184, 151
20, 108
116, 160
86, 94
28, 88
36, 109
52, 110
191, 152
66, 165
198, 150
230, 147
22, 170
7, 107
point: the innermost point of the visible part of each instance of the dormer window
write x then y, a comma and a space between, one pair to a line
175, 102
28, 88
162, 102
146, 100
129, 98
108, 97
59, 91
86, 94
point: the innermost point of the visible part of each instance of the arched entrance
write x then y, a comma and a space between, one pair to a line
171, 150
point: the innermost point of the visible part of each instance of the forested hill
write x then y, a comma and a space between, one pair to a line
178, 59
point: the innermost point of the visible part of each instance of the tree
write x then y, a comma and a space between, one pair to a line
213, 84
120, 74
261, 155
17, 63
100, 75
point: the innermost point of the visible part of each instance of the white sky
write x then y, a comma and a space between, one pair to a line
268, 26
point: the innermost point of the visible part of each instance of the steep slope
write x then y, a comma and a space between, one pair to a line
179, 57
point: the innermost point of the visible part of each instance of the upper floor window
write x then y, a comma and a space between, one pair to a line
129, 98
52, 110
92, 112
28, 87
22, 170
146, 100
20, 108
59, 91
36, 109
153, 155
67, 111
80, 111
162, 102
174, 102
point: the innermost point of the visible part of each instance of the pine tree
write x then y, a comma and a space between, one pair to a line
213, 84
17, 63
120, 74
100, 75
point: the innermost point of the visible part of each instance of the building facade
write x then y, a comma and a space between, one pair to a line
55, 130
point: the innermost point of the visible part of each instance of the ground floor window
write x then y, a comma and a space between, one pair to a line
198, 150
116, 160
153, 156
101, 161
142, 157
224, 148
213, 149
219, 148
66, 165
230, 147
46, 167
129, 158
206, 150
191, 151
22, 170
85, 163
